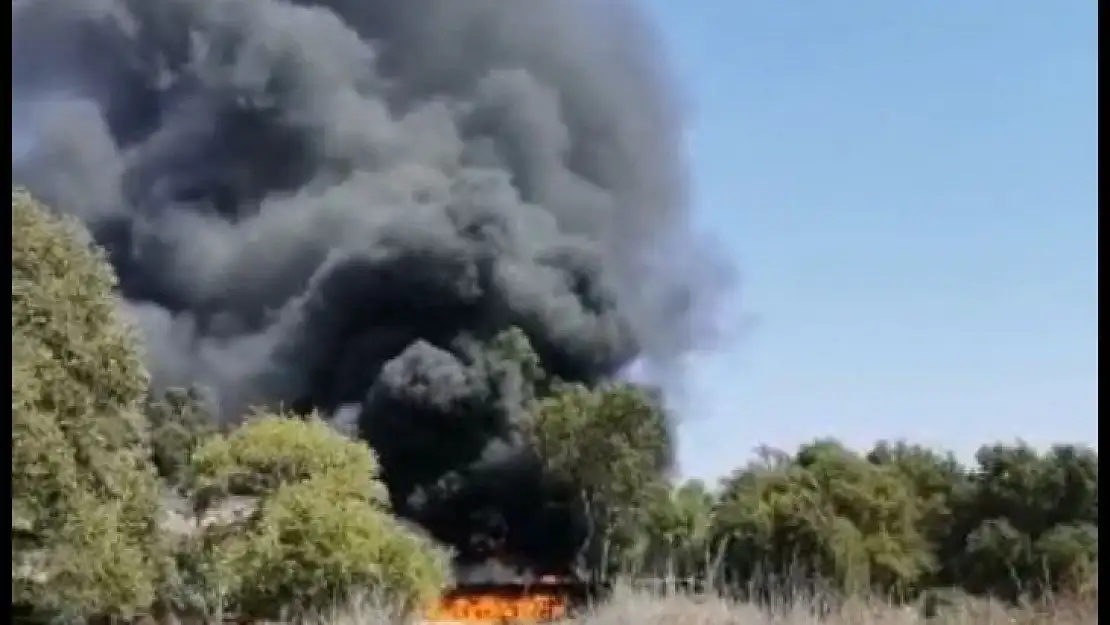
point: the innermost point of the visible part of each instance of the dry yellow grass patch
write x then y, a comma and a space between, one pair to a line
628, 607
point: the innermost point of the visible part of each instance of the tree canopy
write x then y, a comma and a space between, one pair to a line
316, 502
613, 444
903, 519
84, 495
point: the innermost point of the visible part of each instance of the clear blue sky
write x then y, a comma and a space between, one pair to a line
910, 192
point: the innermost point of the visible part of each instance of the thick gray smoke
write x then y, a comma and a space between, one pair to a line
339, 205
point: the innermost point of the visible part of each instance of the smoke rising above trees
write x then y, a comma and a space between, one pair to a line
347, 206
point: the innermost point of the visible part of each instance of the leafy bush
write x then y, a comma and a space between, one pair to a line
268, 452
320, 530
179, 423
84, 495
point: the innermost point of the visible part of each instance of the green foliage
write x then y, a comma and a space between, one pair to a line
512, 354
613, 445
829, 513
309, 547
268, 452
678, 531
319, 529
609, 441
1026, 523
1068, 555
937, 481
179, 423
84, 495
902, 519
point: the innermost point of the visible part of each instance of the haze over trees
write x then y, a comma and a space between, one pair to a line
284, 510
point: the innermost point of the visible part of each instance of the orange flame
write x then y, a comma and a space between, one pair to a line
495, 608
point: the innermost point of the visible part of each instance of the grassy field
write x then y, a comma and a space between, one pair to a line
633, 608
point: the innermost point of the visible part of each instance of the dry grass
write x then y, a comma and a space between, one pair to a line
628, 607
631, 608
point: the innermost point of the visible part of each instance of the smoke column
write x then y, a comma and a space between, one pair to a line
338, 205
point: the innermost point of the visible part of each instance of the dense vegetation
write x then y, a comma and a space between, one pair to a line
84, 500
900, 519
285, 511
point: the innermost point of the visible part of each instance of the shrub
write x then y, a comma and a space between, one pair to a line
320, 530
84, 494
179, 423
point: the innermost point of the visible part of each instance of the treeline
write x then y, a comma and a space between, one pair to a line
125, 502
899, 519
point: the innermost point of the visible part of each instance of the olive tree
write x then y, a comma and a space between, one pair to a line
85, 497
318, 530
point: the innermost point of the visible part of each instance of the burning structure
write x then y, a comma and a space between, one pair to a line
340, 204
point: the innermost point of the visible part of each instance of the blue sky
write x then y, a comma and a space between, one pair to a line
909, 190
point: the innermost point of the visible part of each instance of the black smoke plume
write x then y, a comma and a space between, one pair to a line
341, 204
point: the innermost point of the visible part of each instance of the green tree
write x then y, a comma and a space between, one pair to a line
678, 527
318, 530
1027, 523
85, 537
830, 515
613, 445
1068, 555
179, 423
938, 482
511, 354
